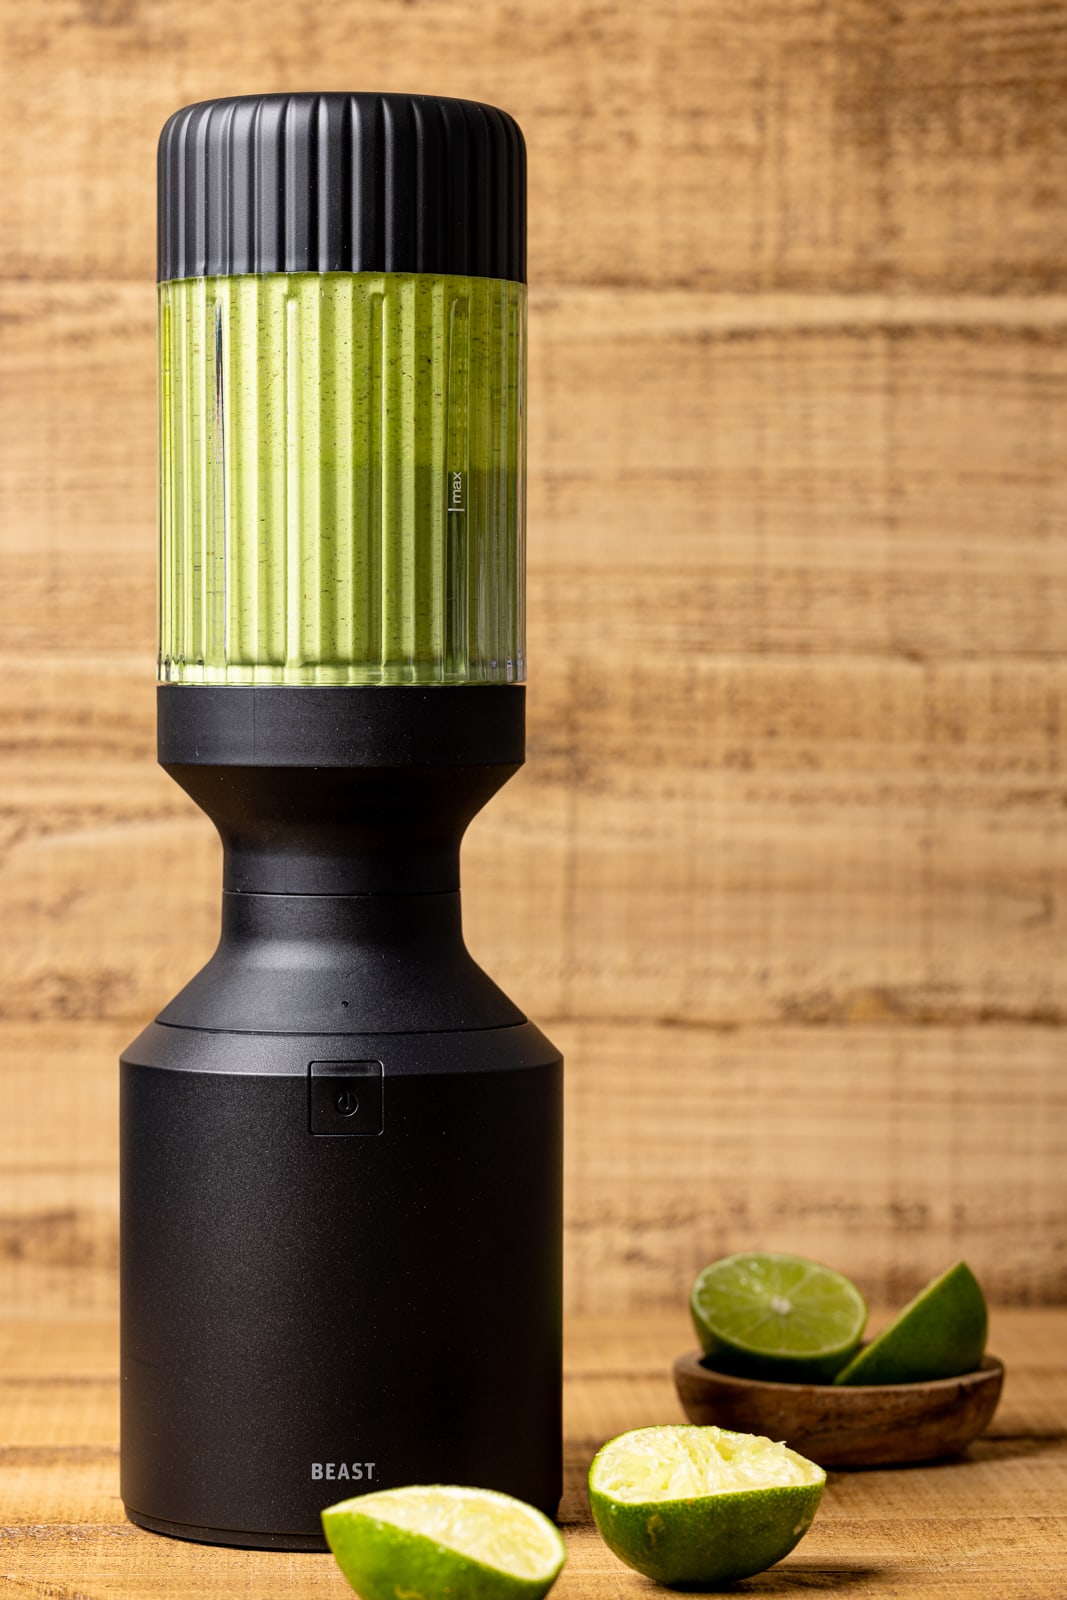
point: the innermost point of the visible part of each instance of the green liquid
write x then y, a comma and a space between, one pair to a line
342, 479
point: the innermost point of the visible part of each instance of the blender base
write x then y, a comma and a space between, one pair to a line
234, 1538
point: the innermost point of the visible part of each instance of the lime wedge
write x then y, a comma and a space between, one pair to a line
701, 1506
778, 1317
437, 1540
939, 1334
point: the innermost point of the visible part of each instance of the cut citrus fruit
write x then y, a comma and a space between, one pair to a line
939, 1334
778, 1317
438, 1540
701, 1506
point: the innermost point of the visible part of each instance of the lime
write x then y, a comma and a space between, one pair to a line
436, 1540
778, 1317
939, 1334
687, 1505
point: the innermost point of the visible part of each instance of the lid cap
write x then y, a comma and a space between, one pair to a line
342, 183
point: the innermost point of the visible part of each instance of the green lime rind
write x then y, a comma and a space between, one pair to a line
382, 1559
780, 1318
709, 1541
940, 1334
704, 1540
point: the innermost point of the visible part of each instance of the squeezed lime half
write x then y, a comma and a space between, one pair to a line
442, 1542
692, 1506
777, 1317
939, 1334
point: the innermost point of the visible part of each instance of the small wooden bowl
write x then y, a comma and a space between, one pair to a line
881, 1425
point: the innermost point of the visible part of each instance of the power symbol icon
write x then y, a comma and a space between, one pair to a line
345, 1098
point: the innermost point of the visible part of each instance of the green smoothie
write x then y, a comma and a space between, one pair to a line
342, 479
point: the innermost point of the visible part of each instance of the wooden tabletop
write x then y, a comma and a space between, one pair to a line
992, 1523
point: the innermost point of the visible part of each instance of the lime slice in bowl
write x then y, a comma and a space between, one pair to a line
439, 1540
701, 1506
776, 1317
939, 1334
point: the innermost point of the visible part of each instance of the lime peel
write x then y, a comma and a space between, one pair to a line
941, 1333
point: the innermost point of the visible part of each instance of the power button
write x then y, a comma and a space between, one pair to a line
345, 1097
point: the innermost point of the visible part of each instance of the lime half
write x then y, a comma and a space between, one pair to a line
701, 1506
939, 1334
778, 1317
438, 1541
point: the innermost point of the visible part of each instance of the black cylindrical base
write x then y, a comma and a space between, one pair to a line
341, 1171
341, 1271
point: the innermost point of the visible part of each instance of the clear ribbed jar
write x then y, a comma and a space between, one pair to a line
342, 479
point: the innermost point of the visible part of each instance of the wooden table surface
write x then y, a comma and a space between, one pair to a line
991, 1523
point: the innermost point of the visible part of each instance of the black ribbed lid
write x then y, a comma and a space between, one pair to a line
342, 183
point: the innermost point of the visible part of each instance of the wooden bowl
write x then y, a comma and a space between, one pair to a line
879, 1425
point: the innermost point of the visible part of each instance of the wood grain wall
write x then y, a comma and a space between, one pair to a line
785, 873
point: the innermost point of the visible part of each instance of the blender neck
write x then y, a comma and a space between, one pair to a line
341, 812
341, 790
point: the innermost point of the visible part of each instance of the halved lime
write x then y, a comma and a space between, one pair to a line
688, 1505
778, 1317
939, 1334
438, 1540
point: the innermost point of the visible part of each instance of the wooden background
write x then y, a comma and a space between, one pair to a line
784, 875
